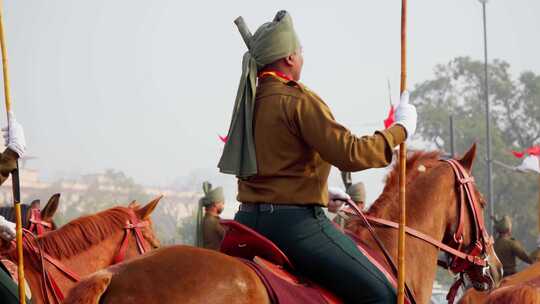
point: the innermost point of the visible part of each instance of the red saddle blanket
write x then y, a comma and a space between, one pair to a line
286, 288
276, 271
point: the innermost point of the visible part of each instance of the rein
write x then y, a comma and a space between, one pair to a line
474, 259
461, 261
387, 255
48, 283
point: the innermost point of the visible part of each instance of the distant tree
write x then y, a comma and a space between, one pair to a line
457, 89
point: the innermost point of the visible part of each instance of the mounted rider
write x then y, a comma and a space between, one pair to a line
209, 231
282, 142
507, 247
15, 148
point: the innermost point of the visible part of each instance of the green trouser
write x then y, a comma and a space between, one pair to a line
9, 292
322, 253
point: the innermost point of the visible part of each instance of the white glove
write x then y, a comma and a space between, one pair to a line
337, 194
7, 229
14, 136
336, 197
405, 114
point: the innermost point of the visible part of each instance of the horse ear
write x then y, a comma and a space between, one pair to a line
133, 204
50, 209
35, 204
467, 160
145, 211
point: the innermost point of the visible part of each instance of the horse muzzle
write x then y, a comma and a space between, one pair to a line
480, 278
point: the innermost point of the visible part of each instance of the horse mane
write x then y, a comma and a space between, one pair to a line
428, 159
84, 232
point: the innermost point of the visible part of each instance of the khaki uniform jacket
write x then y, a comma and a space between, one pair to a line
507, 249
8, 163
213, 232
297, 140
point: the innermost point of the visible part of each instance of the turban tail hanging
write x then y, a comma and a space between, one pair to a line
272, 41
210, 196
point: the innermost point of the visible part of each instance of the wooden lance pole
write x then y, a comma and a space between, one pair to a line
15, 173
402, 163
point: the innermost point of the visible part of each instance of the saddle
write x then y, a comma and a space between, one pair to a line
277, 272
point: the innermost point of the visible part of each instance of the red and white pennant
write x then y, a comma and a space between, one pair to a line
531, 159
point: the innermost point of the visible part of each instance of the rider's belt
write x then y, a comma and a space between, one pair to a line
263, 207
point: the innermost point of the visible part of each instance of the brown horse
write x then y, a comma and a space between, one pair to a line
84, 246
522, 287
181, 274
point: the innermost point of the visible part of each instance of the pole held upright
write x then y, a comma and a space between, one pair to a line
402, 164
15, 174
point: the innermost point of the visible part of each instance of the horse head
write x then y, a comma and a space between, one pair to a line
466, 231
143, 215
85, 245
41, 221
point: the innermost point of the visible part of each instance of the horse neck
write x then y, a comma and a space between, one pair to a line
82, 263
427, 204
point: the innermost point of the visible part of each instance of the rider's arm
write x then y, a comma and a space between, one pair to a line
336, 144
520, 253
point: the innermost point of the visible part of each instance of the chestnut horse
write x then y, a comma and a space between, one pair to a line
520, 288
84, 246
34, 220
181, 274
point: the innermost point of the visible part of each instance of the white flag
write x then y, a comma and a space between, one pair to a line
530, 163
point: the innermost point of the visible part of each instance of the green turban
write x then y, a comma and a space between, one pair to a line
210, 196
272, 41
503, 225
357, 192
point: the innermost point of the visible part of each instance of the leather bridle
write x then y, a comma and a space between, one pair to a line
135, 226
37, 225
39, 258
469, 262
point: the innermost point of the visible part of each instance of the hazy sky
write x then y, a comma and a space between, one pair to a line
146, 86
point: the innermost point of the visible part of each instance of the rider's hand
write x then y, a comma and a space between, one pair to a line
406, 115
7, 229
335, 193
335, 205
14, 136
336, 197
